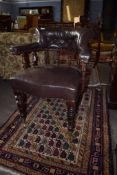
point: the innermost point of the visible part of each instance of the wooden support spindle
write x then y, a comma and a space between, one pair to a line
35, 59
26, 60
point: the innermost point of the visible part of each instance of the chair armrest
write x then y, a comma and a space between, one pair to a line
26, 48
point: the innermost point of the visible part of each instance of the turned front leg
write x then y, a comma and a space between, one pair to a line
71, 106
21, 101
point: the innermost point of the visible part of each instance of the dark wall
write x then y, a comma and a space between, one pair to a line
109, 15
95, 8
13, 7
5, 8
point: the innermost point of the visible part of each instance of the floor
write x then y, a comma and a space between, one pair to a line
7, 106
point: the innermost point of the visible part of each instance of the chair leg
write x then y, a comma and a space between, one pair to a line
21, 101
71, 105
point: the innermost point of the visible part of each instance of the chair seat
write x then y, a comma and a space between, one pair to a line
55, 82
49, 82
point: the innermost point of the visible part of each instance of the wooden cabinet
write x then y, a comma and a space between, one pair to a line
5, 23
32, 21
40, 14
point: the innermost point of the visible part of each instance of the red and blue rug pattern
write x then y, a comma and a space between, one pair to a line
43, 145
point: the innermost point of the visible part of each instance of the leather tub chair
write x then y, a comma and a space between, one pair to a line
52, 81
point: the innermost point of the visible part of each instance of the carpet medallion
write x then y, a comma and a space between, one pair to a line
44, 146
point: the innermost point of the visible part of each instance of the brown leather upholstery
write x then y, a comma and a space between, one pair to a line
52, 82
55, 82
67, 38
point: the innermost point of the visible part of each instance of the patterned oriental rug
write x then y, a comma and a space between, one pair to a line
43, 146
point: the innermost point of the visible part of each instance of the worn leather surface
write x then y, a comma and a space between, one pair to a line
56, 82
75, 39
67, 38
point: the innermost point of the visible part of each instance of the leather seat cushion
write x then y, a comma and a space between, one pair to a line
54, 82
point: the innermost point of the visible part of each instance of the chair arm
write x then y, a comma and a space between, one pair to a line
26, 48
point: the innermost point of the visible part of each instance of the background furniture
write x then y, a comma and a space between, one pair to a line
102, 47
37, 15
31, 21
113, 86
10, 64
104, 50
5, 23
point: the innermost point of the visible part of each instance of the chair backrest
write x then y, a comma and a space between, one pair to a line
58, 38
69, 38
